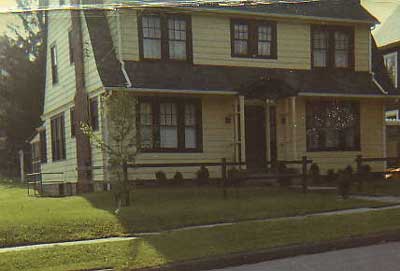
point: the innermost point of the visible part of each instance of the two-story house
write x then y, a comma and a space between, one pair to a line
253, 82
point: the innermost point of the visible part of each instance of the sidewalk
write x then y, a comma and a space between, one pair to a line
116, 239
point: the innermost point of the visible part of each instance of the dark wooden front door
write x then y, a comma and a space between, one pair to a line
255, 137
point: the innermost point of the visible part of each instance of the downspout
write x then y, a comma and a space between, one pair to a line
128, 80
370, 68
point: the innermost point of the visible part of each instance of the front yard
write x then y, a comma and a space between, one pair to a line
29, 220
192, 244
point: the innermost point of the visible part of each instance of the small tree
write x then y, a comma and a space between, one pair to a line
122, 145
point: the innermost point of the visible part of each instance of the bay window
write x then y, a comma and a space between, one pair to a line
333, 126
170, 124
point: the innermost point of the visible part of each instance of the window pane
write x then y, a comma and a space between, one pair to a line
320, 48
190, 126
177, 38
168, 126
264, 48
146, 125
151, 37
332, 126
240, 39
342, 49
264, 40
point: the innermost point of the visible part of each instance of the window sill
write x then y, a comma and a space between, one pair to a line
335, 150
256, 57
170, 151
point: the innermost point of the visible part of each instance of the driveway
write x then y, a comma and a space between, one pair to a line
372, 258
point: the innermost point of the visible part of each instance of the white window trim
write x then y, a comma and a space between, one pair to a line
390, 55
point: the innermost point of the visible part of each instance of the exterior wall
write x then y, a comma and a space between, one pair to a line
372, 135
212, 42
218, 143
60, 97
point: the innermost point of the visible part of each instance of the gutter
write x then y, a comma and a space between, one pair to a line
128, 80
175, 91
343, 95
378, 85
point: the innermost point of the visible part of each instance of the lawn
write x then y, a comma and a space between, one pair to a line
200, 243
382, 187
27, 220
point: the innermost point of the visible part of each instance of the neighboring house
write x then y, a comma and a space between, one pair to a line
249, 83
387, 36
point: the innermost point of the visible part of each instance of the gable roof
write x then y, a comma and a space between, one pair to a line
186, 76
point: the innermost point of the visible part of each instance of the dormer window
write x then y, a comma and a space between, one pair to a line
332, 47
165, 37
256, 39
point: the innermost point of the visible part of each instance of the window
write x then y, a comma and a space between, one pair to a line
333, 126
165, 37
170, 125
54, 68
94, 114
253, 39
62, 2
391, 66
43, 146
332, 47
71, 47
58, 138
72, 120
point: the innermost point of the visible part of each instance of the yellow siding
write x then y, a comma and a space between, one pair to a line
372, 141
212, 42
59, 98
361, 47
218, 139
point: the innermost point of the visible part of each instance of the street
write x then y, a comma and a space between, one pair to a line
378, 257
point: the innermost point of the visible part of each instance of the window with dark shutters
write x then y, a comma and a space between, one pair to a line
94, 113
43, 146
58, 138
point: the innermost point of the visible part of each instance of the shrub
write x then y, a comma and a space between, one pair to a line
203, 176
161, 177
235, 177
344, 181
284, 180
364, 174
331, 176
315, 173
178, 178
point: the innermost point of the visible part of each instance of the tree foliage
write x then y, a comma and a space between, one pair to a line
22, 62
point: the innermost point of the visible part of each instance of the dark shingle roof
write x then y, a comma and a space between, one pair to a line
336, 9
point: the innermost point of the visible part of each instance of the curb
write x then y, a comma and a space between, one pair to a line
276, 253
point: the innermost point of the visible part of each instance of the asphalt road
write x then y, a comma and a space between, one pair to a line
383, 257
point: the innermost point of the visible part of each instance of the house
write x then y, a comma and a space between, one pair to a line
387, 36
252, 82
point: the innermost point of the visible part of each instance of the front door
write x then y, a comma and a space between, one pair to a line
255, 137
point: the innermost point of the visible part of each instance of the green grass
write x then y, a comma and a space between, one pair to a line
200, 243
27, 220
382, 187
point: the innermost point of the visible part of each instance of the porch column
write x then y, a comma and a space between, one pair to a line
242, 130
294, 128
267, 130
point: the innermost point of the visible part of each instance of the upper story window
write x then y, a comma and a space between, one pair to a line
256, 39
70, 47
165, 37
170, 125
391, 61
332, 47
54, 64
72, 120
58, 138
